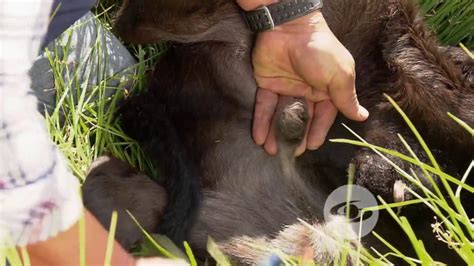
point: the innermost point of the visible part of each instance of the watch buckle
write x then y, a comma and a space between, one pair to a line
268, 15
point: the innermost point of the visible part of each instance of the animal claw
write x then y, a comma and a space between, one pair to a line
399, 191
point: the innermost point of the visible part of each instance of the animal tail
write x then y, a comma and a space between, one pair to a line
156, 134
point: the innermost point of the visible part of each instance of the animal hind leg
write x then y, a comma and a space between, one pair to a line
113, 185
375, 173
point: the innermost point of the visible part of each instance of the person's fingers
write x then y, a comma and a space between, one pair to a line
265, 105
324, 115
343, 94
271, 143
302, 147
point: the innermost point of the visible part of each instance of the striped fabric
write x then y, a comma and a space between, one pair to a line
39, 197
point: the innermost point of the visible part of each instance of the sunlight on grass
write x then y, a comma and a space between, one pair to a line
216, 253
453, 20
84, 123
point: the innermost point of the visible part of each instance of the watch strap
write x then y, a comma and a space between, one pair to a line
268, 17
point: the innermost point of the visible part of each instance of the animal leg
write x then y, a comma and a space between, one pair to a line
113, 185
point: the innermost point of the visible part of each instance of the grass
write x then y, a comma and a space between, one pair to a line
84, 127
453, 20
451, 224
83, 123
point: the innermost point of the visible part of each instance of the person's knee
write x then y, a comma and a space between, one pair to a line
64, 13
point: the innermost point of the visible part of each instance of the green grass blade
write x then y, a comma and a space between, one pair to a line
464, 178
25, 256
463, 124
216, 253
189, 252
111, 239
393, 249
150, 238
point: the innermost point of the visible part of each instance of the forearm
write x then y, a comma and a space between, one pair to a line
64, 249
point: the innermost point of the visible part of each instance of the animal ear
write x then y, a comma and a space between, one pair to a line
134, 22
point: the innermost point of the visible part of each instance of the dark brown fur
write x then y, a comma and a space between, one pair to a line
205, 87
107, 182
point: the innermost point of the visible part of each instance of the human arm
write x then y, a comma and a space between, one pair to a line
302, 58
65, 249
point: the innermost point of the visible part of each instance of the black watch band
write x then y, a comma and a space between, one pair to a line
268, 17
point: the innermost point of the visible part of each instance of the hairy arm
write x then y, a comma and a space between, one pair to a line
302, 58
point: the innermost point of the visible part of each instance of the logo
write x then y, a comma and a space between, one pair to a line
349, 201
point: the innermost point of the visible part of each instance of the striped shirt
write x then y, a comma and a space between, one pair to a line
39, 196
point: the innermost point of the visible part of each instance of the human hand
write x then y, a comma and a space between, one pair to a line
303, 58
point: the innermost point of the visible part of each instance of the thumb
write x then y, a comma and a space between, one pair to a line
343, 95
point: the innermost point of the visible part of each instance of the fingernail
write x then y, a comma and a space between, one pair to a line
299, 151
271, 150
363, 113
259, 140
313, 148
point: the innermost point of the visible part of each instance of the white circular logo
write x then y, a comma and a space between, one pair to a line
349, 201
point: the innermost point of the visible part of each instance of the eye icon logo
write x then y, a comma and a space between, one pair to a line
352, 209
338, 204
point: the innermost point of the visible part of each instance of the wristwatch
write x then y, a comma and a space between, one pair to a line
268, 17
